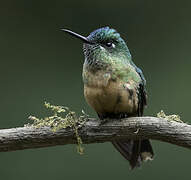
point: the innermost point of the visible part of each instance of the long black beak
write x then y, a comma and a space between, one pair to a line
84, 39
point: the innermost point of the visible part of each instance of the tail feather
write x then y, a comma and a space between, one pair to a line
146, 151
135, 160
125, 148
135, 151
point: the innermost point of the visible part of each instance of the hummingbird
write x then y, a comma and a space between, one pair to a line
114, 86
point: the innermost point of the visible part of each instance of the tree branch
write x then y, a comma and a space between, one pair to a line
92, 132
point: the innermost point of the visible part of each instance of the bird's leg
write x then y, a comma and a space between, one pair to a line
110, 116
103, 119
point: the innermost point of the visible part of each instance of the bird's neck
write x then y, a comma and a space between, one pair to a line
94, 65
95, 72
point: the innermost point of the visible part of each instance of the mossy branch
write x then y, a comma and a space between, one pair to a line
93, 132
65, 127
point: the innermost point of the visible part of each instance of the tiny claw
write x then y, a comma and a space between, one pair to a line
103, 121
137, 131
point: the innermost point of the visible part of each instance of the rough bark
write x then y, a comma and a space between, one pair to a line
94, 132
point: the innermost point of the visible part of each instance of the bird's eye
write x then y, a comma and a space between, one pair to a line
110, 45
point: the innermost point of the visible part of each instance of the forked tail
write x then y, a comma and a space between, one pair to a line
135, 151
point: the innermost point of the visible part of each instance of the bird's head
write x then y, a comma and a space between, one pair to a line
103, 44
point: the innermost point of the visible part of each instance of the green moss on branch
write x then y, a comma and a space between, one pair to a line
172, 117
61, 118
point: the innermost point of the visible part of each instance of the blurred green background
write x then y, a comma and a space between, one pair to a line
39, 62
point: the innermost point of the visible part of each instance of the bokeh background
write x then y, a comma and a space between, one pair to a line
40, 63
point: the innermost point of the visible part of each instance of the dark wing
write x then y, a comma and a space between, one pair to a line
136, 151
142, 94
145, 147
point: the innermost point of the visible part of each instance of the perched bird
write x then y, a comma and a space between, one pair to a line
114, 86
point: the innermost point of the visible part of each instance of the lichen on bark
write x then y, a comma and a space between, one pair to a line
172, 117
62, 117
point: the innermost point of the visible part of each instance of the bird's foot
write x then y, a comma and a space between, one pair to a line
109, 117
104, 121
